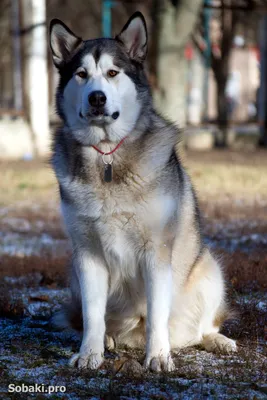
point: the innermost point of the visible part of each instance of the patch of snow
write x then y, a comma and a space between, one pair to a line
262, 305
20, 224
244, 242
19, 245
35, 277
37, 373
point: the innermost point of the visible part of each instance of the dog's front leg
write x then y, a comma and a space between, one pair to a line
93, 281
158, 285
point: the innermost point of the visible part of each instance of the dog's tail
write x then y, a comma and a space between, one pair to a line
68, 317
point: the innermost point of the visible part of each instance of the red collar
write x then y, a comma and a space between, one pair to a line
106, 154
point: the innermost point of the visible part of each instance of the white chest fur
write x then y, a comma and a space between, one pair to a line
121, 219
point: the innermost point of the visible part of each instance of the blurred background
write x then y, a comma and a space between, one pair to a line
207, 65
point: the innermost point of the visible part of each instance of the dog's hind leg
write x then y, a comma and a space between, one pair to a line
218, 343
215, 311
205, 309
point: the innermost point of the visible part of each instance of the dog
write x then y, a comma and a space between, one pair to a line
141, 274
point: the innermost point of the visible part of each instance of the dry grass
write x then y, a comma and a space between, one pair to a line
246, 272
229, 175
52, 269
26, 180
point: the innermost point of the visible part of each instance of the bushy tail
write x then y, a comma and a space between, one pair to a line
69, 317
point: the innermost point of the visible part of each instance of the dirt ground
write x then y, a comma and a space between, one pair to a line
34, 255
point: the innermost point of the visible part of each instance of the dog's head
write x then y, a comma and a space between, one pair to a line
102, 86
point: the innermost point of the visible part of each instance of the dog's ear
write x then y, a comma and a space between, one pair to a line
134, 37
63, 42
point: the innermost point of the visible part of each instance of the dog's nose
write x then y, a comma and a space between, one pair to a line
97, 98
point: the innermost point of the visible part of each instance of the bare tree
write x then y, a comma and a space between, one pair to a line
6, 84
220, 63
174, 23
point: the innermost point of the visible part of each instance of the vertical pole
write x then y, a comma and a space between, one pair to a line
106, 18
207, 55
17, 78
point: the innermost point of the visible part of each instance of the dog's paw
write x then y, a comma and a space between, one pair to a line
159, 363
109, 343
219, 343
90, 360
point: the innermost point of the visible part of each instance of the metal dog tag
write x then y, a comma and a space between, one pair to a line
107, 168
108, 173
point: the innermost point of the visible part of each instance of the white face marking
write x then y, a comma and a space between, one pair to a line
89, 64
121, 97
99, 81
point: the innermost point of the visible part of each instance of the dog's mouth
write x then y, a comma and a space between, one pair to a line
99, 115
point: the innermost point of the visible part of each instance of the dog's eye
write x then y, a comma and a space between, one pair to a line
112, 73
82, 74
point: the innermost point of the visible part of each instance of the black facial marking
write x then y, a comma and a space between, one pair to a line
97, 51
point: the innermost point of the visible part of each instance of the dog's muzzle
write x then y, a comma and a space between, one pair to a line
97, 101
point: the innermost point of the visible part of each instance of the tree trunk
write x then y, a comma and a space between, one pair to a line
175, 21
222, 110
261, 100
220, 68
35, 73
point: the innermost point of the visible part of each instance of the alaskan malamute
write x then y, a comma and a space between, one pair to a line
141, 274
